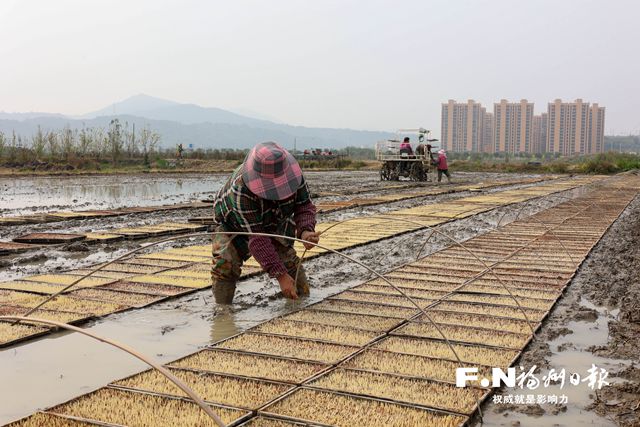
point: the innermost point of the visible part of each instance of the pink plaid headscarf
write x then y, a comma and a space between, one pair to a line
271, 172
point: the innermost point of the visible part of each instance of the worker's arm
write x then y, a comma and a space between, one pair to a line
304, 217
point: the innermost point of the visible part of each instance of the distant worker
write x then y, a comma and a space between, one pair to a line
179, 151
443, 167
266, 194
405, 147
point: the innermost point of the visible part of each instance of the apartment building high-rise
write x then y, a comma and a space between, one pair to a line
539, 137
513, 128
575, 128
488, 142
462, 126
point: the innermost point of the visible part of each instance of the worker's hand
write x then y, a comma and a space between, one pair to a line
288, 286
310, 236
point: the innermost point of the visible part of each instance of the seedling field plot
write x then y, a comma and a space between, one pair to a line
174, 257
492, 310
401, 273
249, 365
115, 275
69, 304
145, 288
158, 263
262, 421
326, 333
389, 290
12, 334
185, 282
365, 308
35, 287
128, 408
129, 299
329, 318
480, 320
404, 283
123, 267
344, 410
383, 299
474, 354
538, 304
426, 393
67, 279
464, 334
41, 419
55, 315
412, 365
103, 237
549, 295
213, 388
297, 348
188, 272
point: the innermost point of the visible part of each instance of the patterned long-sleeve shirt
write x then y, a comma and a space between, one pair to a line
236, 208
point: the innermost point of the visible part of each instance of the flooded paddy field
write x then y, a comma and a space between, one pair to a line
51, 370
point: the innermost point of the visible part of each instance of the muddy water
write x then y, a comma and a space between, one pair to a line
36, 194
49, 371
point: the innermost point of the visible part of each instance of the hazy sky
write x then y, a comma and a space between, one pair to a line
360, 64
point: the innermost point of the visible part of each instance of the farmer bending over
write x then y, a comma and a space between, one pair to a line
266, 194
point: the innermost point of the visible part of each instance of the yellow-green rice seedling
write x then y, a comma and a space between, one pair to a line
347, 411
411, 365
392, 300
480, 320
41, 419
250, 365
337, 334
363, 308
513, 312
238, 392
468, 353
288, 347
408, 390
120, 298
537, 304
138, 409
360, 321
414, 293
464, 334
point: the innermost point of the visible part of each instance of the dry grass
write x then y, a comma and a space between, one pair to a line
41, 419
238, 392
464, 334
361, 321
430, 348
405, 364
344, 411
392, 300
361, 308
120, 298
250, 365
288, 347
469, 319
513, 312
420, 392
137, 409
337, 334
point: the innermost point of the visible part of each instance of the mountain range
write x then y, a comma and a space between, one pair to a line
190, 124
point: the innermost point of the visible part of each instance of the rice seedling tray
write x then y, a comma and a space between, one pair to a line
390, 290
464, 335
410, 366
413, 284
294, 348
264, 421
130, 299
312, 406
344, 306
31, 287
473, 319
502, 300
55, 315
379, 298
15, 334
125, 407
249, 365
322, 333
116, 275
222, 389
48, 419
548, 295
512, 312
123, 267
49, 238
146, 288
67, 279
423, 393
165, 264
367, 322
469, 353
185, 282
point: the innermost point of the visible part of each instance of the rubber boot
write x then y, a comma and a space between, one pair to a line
223, 291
